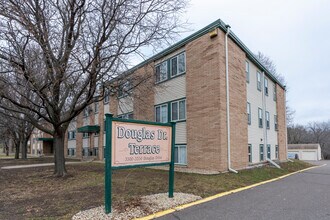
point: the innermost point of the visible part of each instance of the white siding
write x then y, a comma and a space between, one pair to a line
181, 133
106, 108
256, 135
85, 142
86, 121
96, 117
125, 105
72, 144
171, 90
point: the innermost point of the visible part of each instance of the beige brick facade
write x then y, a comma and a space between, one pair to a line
206, 108
282, 131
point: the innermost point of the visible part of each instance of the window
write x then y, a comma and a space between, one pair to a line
247, 71
250, 153
126, 115
71, 135
180, 154
106, 96
161, 72
86, 112
248, 110
267, 120
85, 135
178, 110
161, 113
274, 92
259, 81
71, 151
261, 149
268, 151
260, 117
275, 123
276, 151
266, 86
124, 89
96, 107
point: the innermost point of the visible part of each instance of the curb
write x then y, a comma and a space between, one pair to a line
207, 199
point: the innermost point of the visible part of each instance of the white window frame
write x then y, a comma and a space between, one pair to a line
275, 123
126, 115
261, 152
160, 113
106, 96
247, 71
178, 110
166, 67
266, 86
250, 153
259, 86
180, 146
267, 120
269, 151
248, 110
96, 107
178, 72
260, 118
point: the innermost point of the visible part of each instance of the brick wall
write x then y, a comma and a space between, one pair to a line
282, 130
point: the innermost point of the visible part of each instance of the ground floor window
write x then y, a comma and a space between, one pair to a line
126, 116
180, 154
261, 149
276, 151
250, 153
71, 151
268, 151
85, 152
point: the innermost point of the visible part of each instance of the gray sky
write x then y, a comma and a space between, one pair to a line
295, 34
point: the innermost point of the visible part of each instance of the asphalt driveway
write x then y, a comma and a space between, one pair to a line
301, 196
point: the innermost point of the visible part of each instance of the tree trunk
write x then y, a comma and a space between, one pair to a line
59, 169
17, 150
24, 148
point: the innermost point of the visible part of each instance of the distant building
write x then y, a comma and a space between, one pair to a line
305, 151
187, 84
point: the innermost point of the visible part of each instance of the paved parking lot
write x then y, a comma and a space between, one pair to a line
301, 196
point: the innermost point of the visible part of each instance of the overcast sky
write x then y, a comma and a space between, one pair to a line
295, 34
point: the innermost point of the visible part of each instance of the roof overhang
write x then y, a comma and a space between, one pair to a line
89, 129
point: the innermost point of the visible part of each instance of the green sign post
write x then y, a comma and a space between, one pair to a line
135, 143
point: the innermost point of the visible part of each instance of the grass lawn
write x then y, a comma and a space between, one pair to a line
35, 193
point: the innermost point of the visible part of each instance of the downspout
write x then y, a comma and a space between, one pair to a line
264, 114
227, 97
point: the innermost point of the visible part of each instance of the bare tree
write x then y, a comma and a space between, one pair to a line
271, 66
54, 54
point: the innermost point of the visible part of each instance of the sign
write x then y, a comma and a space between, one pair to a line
134, 144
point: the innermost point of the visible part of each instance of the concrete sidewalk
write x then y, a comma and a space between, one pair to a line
35, 165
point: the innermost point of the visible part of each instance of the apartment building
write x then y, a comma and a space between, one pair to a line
228, 108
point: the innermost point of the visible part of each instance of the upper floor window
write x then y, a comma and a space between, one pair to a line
266, 86
96, 107
248, 110
86, 111
247, 71
274, 92
124, 89
170, 68
178, 64
178, 110
106, 96
258, 80
275, 122
71, 135
267, 120
126, 115
161, 113
260, 117
85, 135
161, 72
